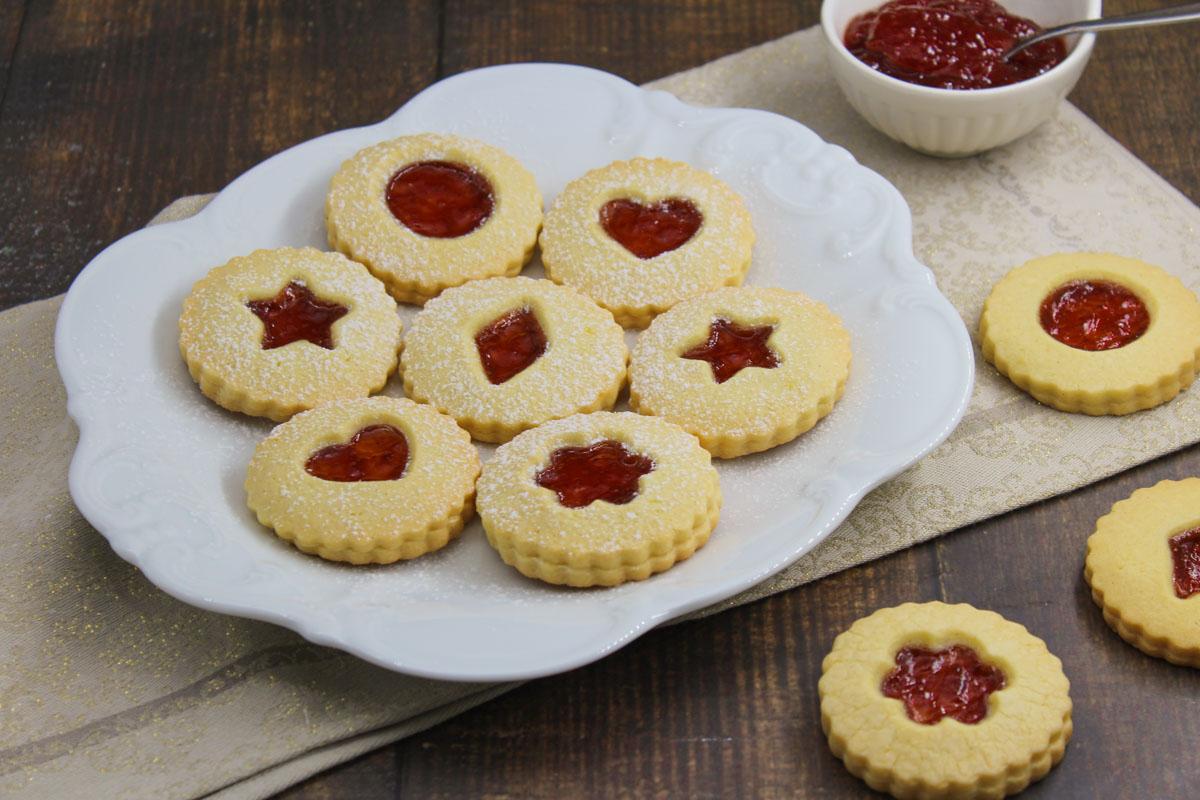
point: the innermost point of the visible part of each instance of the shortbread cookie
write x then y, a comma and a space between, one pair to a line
639, 236
431, 211
599, 499
505, 354
1143, 564
1093, 333
367, 481
279, 331
744, 369
944, 701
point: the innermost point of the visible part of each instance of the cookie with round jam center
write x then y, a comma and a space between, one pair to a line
1094, 315
651, 229
606, 470
375, 453
1185, 557
730, 348
296, 314
953, 682
441, 199
510, 344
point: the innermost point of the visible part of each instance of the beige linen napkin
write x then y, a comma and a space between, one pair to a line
108, 687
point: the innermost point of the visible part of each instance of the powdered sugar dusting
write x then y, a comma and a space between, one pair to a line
222, 337
810, 342
577, 250
584, 360
361, 225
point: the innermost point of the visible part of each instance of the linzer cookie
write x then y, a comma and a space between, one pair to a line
280, 331
599, 499
944, 701
505, 354
431, 211
744, 369
639, 236
1093, 333
1143, 564
367, 481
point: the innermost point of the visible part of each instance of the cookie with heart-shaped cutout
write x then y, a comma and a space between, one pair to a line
367, 481
638, 236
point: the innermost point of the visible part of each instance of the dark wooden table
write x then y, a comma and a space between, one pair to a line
111, 108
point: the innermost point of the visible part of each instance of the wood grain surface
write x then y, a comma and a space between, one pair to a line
109, 109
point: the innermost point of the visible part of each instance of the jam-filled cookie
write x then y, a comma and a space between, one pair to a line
639, 236
744, 369
280, 331
599, 499
367, 481
505, 354
1093, 333
1143, 564
431, 211
944, 701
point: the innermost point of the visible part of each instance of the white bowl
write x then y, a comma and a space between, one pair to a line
956, 122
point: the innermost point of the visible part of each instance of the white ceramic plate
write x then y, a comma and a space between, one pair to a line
159, 469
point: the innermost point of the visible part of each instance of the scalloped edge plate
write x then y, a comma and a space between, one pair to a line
158, 469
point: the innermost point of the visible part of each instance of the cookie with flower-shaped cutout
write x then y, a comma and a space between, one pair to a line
368, 481
1093, 333
638, 236
280, 331
744, 368
431, 211
599, 499
929, 700
1143, 564
505, 354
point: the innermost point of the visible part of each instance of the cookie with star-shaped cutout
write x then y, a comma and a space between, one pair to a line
280, 331
744, 369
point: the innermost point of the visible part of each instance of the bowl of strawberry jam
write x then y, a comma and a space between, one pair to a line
930, 73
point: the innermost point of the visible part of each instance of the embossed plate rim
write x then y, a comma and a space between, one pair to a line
163, 527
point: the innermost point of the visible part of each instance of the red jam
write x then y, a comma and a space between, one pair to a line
509, 344
731, 348
605, 470
440, 198
1094, 315
933, 684
950, 44
1185, 554
651, 229
375, 453
294, 314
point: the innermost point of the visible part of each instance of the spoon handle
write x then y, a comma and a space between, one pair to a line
1139, 19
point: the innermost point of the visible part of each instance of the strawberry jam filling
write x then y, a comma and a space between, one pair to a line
375, 453
651, 229
440, 199
1094, 315
933, 684
950, 44
1185, 556
295, 314
730, 348
509, 344
606, 470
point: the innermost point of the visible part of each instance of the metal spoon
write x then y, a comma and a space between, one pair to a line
1161, 16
